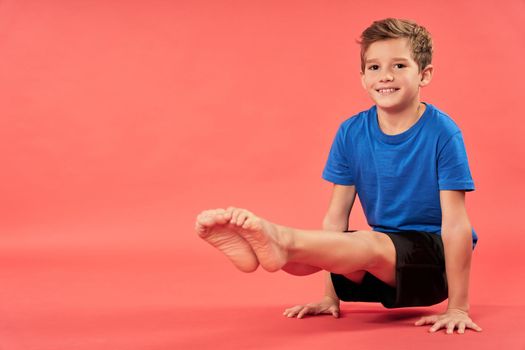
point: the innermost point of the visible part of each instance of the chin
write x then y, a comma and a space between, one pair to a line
394, 107
391, 105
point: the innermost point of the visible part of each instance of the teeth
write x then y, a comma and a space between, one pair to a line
386, 91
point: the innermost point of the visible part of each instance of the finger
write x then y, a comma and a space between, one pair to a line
461, 327
335, 312
293, 310
426, 320
305, 311
450, 327
474, 326
290, 312
420, 322
437, 326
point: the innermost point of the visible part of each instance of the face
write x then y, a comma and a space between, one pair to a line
391, 76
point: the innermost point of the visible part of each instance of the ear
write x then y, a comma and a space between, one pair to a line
426, 75
363, 84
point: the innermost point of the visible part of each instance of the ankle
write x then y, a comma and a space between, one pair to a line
286, 238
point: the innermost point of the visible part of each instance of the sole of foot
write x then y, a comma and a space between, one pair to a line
214, 227
264, 237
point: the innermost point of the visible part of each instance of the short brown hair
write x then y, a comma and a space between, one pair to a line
393, 28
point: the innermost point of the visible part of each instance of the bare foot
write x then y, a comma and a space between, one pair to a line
265, 238
213, 226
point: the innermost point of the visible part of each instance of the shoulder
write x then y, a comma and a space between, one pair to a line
357, 122
441, 123
447, 134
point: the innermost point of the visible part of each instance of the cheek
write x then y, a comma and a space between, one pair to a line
408, 80
364, 83
368, 82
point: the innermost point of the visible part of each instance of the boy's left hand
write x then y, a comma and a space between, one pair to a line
451, 319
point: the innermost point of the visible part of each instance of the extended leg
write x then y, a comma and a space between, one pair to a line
276, 246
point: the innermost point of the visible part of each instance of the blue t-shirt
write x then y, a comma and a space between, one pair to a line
398, 177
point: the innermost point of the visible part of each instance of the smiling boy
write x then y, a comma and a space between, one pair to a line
407, 162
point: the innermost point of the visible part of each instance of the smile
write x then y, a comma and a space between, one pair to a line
387, 91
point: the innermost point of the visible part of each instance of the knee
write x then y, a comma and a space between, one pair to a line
385, 255
376, 248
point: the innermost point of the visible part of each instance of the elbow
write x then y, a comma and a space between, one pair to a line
457, 232
457, 226
335, 222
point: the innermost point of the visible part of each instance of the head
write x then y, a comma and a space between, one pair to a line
419, 39
396, 60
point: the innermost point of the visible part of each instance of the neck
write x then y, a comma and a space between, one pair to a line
393, 122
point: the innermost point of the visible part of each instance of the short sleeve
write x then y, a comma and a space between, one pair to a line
453, 169
337, 169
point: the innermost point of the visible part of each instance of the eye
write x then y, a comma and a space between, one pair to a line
399, 65
373, 67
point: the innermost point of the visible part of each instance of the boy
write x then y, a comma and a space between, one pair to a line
407, 162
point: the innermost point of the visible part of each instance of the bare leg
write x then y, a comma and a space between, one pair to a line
299, 269
349, 254
278, 247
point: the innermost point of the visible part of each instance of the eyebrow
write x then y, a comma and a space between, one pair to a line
393, 59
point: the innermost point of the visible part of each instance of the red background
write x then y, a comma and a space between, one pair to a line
121, 120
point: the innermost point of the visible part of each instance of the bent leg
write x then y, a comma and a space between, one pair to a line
349, 254
302, 269
299, 269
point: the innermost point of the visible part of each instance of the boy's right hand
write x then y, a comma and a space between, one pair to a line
328, 306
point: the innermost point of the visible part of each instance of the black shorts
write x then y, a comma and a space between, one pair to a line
420, 275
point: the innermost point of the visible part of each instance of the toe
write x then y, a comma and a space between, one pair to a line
235, 215
208, 218
221, 218
247, 224
227, 215
241, 219
204, 221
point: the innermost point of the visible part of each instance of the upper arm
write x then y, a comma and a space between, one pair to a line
453, 168
453, 209
338, 169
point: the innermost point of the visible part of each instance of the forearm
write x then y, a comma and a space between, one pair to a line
329, 290
336, 219
457, 241
333, 223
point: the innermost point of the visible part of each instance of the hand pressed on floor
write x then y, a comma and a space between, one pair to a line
451, 319
328, 306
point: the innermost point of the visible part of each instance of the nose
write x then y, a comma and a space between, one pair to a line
386, 76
